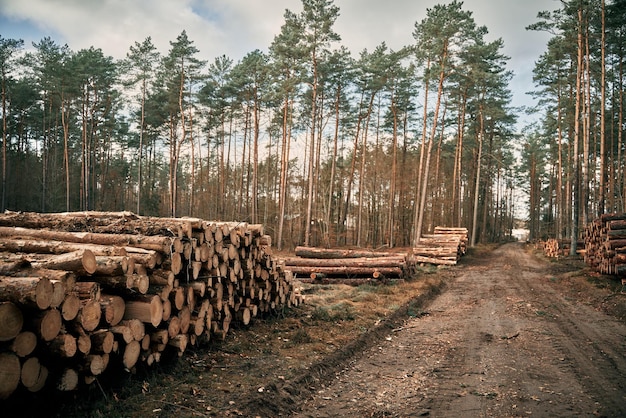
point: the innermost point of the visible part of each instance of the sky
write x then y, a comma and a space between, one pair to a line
236, 27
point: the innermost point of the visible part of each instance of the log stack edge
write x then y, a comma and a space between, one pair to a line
82, 290
603, 248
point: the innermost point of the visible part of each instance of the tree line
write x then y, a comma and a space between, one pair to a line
323, 147
575, 157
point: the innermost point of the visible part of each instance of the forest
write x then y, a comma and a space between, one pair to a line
322, 147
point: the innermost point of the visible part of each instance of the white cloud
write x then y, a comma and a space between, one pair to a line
235, 27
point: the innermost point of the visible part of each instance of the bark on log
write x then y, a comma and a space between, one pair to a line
156, 243
432, 260
57, 247
347, 262
348, 271
35, 292
9, 267
81, 262
312, 252
148, 309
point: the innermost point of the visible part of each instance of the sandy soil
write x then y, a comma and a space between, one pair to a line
501, 342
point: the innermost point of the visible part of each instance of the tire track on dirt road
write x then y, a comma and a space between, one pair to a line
499, 342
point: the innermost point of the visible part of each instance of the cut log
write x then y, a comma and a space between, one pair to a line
70, 307
149, 258
10, 371
113, 265
81, 262
47, 323
347, 271
102, 341
41, 380
132, 350
58, 293
138, 282
89, 314
94, 364
244, 315
347, 262
24, 343
35, 292
123, 331
148, 309
180, 341
83, 341
57, 247
87, 290
313, 252
432, 260
64, 345
9, 267
137, 328
11, 321
156, 243
68, 380
113, 308
31, 373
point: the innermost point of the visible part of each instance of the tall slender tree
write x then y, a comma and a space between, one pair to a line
9, 49
318, 18
141, 60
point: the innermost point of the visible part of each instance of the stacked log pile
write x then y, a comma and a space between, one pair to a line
353, 267
555, 248
82, 290
350, 266
445, 247
605, 244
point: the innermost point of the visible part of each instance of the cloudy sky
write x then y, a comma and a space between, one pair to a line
235, 27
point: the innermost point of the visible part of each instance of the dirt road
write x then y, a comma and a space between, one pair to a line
501, 342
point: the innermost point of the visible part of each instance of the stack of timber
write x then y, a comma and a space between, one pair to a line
555, 248
605, 244
346, 266
445, 247
81, 291
359, 266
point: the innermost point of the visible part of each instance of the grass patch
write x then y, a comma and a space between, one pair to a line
342, 311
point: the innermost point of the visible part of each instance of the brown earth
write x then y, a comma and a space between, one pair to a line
506, 333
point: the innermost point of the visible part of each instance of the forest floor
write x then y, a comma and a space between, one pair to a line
506, 333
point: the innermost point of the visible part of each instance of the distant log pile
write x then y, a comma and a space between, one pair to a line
445, 247
359, 266
605, 244
555, 248
82, 290
354, 267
